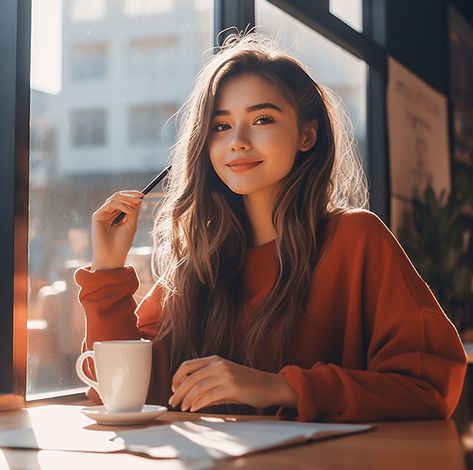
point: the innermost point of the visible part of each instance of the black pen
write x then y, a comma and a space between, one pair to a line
145, 190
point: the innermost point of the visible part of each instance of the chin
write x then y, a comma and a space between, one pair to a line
241, 191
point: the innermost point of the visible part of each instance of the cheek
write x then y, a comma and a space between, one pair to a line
216, 155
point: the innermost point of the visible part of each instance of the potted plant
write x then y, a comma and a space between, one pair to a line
441, 248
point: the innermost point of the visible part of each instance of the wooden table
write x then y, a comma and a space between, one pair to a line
392, 445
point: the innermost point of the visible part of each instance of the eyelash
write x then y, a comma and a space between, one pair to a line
270, 120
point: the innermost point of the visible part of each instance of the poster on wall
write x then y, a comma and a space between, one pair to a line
417, 118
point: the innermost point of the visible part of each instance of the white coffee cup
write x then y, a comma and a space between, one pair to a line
123, 370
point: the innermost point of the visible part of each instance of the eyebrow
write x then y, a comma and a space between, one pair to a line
255, 107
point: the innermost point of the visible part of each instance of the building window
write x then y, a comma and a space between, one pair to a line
88, 10
88, 128
147, 7
89, 61
149, 55
146, 122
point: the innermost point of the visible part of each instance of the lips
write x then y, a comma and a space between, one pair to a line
243, 164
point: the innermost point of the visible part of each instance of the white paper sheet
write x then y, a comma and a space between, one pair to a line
62, 427
203, 440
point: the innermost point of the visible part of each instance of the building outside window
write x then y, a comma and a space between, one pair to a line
120, 72
88, 128
89, 61
147, 121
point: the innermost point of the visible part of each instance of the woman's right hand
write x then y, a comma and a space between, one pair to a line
111, 243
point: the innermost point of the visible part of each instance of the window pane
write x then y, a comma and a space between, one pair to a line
349, 11
328, 63
88, 10
101, 100
88, 128
89, 60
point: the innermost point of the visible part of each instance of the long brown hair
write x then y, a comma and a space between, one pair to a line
202, 233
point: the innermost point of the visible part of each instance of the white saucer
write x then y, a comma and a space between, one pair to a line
102, 416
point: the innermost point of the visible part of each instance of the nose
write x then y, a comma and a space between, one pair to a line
240, 141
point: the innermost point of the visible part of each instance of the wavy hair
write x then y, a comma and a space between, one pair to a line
202, 233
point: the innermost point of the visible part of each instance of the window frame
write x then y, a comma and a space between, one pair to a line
15, 32
15, 40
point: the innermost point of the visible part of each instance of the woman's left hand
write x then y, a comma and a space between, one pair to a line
212, 380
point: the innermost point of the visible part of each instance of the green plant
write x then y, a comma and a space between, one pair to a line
441, 249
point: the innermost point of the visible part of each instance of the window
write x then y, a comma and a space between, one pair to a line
147, 121
329, 64
95, 132
148, 7
350, 12
150, 54
88, 128
89, 61
88, 10
63, 183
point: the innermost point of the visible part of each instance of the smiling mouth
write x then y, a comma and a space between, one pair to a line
239, 167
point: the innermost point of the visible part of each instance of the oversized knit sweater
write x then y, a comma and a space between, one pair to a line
373, 343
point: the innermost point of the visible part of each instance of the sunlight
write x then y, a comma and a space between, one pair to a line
64, 427
52, 459
3, 462
46, 47
214, 442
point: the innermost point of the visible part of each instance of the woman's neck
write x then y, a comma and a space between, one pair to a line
259, 208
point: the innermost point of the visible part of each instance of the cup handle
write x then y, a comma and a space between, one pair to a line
80, 371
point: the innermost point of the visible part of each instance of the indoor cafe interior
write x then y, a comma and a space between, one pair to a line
365, 355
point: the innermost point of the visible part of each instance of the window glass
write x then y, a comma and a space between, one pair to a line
88, 128
103, 94
146, 122
349, 11
88, 10
148, 7
328, 63
149, 55
89, 61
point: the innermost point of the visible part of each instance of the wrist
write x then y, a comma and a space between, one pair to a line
284, 395
101, 265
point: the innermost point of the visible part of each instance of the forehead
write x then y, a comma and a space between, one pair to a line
248, 89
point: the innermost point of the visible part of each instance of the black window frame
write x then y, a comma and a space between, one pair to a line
15, 45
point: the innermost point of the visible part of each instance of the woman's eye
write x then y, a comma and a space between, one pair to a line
221, 127
261, 120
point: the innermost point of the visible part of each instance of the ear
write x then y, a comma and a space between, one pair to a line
308, 136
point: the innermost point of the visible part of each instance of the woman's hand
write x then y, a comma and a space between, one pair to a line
111, 243
208, 381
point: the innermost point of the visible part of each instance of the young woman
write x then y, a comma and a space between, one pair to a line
276, 289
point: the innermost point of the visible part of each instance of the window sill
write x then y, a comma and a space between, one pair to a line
11, 402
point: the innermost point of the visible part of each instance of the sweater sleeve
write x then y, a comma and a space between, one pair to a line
112, 312
415, 361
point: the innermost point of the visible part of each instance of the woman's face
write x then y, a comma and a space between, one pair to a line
254, 136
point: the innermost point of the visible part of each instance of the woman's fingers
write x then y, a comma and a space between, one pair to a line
189, 382
215, 396
200, 388
115, 204
190, 366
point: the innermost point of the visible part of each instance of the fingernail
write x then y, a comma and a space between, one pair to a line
192, 408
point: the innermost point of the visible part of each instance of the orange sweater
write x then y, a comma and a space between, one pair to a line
374, 345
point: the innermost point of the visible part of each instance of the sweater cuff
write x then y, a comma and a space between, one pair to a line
319, 392
86, 276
